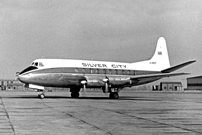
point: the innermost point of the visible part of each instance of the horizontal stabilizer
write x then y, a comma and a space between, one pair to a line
171, 69
139, 77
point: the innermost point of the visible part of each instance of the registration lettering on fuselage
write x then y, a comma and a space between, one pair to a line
95, 65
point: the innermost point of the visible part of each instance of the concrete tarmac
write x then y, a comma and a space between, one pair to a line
134, 113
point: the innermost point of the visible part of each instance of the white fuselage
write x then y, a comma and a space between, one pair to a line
77, 73
68, 73
110, 76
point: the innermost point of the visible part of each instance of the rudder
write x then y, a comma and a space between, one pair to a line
160, 57
159, 61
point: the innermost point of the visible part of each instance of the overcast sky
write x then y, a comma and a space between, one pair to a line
107, 30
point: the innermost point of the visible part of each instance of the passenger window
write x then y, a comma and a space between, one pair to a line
87, 71
116, 71
97, 71
105, 71
76, 70
84, 70
123, 72
94, 71
128, 72
119, 72
101, 71
109, 71
134, 73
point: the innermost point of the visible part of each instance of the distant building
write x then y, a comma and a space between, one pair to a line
10, 85
155, 88
194, 83
168, 86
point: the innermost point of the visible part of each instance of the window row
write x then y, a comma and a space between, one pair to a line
104, 71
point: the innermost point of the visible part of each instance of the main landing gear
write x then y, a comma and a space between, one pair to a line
75, 92
114, 95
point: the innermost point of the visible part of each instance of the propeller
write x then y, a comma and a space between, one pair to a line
84, 82
106, 80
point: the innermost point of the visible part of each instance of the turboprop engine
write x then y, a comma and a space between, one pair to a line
111, 82
92, 83
119, 81
106, 83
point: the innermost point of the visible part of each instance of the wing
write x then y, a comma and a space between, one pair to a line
156, 76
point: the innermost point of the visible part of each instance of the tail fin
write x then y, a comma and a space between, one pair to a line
160, 59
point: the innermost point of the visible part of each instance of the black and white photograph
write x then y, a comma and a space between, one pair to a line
100, 67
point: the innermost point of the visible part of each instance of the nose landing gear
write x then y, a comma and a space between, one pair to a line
41, 94
75, 92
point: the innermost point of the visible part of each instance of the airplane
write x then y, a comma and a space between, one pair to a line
111, 77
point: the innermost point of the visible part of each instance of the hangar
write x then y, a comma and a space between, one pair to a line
10, 84
194, 83
168, 86
173, 86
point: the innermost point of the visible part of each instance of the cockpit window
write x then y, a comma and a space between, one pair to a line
37, 64
28, 69
32, 64
41, 64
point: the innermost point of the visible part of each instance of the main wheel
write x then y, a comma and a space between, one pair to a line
114, 95
75, 94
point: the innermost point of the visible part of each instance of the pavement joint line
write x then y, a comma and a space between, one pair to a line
79, 119
7, 115
132, 114
186, 129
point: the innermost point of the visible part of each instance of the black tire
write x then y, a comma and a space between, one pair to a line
114, 95
110, 95
75, 94
41, 96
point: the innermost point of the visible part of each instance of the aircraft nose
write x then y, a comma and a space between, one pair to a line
23, 78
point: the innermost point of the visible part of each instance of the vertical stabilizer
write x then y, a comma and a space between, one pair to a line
160, 59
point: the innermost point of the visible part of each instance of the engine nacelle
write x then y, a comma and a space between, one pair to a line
95, 83
119, 81
106, 83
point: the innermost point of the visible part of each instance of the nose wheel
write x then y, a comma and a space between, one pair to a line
41, 94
